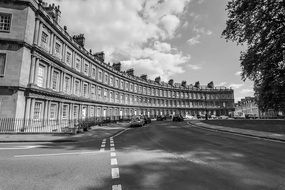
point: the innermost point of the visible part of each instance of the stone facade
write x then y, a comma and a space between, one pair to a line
50, 75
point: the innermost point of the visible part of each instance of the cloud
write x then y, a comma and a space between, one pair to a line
247, 91
194, 40
170, 24
162, 46
130, 31
222, 84
236, 86
202, 30
194, 67
238, 73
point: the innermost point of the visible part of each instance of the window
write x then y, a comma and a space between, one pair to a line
126, 86
77, 63
65, 111
111, 81
93, 74
77, 87
41, 76
57, 48
122, 84
117, 83
111, 96
68, 58
92, 111
106, 78
86, 68
53, 111
131, 87
85, 90
117, 98
2, 64
67, 84
44, 37
5, 22
99, 93
105, 95
135, 88
55, 80
100, 75
75, 112
37, 110
93, 92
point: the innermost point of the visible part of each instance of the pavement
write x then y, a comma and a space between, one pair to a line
98, 132
245, 132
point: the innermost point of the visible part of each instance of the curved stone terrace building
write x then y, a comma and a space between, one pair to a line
47, 74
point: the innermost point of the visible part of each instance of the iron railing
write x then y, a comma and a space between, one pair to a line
18, 125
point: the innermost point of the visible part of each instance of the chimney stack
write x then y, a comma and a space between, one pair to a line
79, 39
130, 72
170, 82
100, 56
157, 79
117, 66
144, 77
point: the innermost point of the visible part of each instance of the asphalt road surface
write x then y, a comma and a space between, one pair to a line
162, 155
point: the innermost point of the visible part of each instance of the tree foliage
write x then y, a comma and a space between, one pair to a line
260, 26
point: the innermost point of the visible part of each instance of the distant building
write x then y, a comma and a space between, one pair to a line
248, 105
47, 74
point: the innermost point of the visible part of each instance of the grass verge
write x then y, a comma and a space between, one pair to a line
274, 126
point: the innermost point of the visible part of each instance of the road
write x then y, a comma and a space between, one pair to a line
162, 155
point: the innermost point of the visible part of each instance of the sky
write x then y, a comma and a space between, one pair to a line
173, 39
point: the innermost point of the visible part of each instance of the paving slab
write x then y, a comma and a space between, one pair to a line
94, 132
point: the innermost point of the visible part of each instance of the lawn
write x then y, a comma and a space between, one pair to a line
275, 126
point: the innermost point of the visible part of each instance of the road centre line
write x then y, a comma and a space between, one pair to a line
112, 148
117, 187
113, 154
114, 161
57, 154
115, 173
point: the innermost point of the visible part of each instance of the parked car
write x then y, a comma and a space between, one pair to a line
147, 119
223, 117
137, 121
177, 118
160, 118
190, 117
250, 116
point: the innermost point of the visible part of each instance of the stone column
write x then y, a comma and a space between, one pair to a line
32, 70
27, 108
48, 77
37, 31
36, 70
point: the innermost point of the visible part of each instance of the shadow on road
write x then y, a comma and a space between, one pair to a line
167, 156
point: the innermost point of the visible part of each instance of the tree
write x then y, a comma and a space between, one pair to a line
260, 26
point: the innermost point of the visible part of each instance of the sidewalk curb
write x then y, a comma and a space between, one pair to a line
58, 140
237, 133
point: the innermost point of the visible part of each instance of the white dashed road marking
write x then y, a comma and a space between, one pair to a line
116, 187
114, 161
113, 154
115, 173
